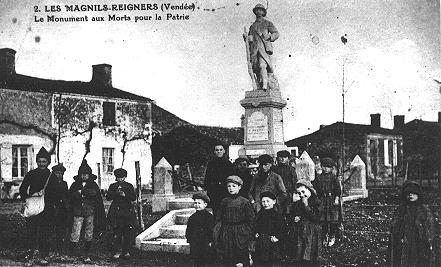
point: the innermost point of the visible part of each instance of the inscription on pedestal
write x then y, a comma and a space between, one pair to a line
257, 127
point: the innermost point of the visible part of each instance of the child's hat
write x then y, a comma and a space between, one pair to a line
42, 153
265, 158
201, 195
84, 168
411, 187
268, 194
59, 167
327, 162
120, 173
283, 154
307, 184
234, 179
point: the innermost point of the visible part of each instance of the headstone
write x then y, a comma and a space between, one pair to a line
305, 167
163, 186
357, 180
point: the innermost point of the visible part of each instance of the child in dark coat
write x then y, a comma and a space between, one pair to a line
199, 231
121, 216
87, 209
412, 231
269, 230
304, 234
329, 192
233, 230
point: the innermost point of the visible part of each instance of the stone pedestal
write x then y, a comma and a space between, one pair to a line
263, 122
357, 182
163, 186
305, 167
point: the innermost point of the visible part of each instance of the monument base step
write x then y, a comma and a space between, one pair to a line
180, 203
173, 231
353, 197
176, 245
182, 219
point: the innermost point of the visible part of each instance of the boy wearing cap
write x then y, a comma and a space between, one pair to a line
412, 231
56, 205
269, 229
329, 192
233, 229
266, 180
87, 208
304, 234
199, 231
121, 216
36, 226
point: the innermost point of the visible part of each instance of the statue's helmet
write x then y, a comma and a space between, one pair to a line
261, 7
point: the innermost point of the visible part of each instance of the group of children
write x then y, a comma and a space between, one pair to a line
69, 212
296, 232
237, 230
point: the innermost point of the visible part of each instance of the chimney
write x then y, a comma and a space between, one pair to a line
7, 63
398, 122
322, 126
375, 120
102, 75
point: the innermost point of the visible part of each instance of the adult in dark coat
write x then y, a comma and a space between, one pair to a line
241, 169
412, 231
57, 205
121, 216
87, 208
199, 232
304, 229
218, 169
36, 226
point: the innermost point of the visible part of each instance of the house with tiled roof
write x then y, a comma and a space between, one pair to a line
381, 149
73, 120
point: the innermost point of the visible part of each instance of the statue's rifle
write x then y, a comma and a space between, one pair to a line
250, 67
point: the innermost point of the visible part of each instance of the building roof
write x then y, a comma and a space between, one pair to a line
33, 84
353, 133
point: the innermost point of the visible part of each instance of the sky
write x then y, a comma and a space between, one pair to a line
197, 68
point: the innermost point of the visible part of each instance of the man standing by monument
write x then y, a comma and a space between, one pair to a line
218, 169
259, 46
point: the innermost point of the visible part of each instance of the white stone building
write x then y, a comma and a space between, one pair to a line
73, 120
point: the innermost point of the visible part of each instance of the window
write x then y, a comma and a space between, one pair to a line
21, 156
391, 152
108, 113
108, 160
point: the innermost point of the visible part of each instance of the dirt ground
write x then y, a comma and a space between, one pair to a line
364, 243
